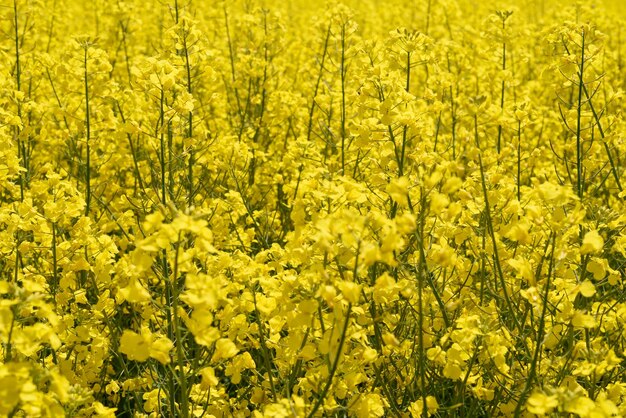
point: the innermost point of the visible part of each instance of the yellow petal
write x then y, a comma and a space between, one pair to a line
592, 243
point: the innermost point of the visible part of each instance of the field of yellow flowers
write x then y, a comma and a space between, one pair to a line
252, 208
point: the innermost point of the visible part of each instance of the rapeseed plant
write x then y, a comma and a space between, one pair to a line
296, 209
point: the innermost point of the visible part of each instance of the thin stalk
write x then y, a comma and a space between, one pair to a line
406, 128
137, 173
437, 128
55, 276
18, 68
18, 81
420, 289
231, 55
266, 352
170, 157
496, 257
343, 98
606, 146
317, 85
519, 159
401, 156
22, 155
88, 137
498, 143
295, 371
51, 26
171, 387
333, 369
579, 155
58, 99
180, 354
428, 17
8, 351
124, 29
540, 335
192, 158
453, 116
160, 127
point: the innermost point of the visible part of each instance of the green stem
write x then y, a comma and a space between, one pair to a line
343, 98
88, 136
18, 80
519, 159
540, 335
161, 126
579, 156
496, 258
406, 128
333, 369
266, 352
317, 85
498, 143
606, 146
180, 354
421, 270
191, 162
55, 278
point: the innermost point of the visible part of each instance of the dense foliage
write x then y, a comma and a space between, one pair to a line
296, 209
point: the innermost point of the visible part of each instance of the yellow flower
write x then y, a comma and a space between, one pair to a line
134, 292
153, 399
350, 291
416, 408
523, 269
599, 268
238, 364
209, 380
592, 243
370, 405
224, 349
442, 254
519, 232
160, 349
135, 346
583, 320
452, 371
587, 289
102, 411
432, 404
141, 347
541, 404
582, 406
398, 189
